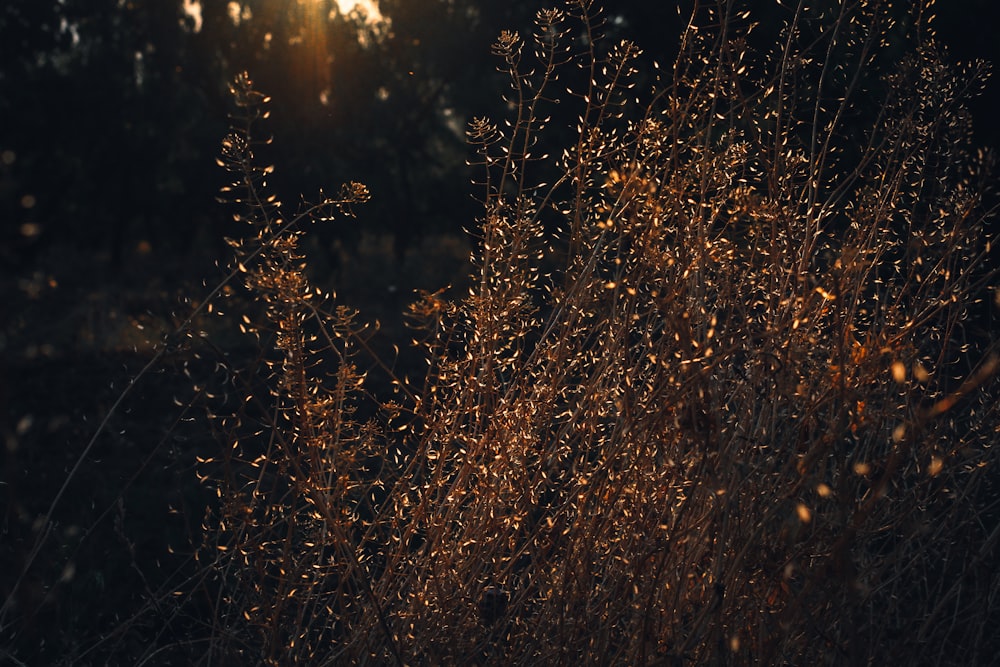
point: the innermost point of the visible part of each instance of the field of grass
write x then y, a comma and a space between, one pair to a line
720, 387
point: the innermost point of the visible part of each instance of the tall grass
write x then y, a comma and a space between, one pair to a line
723, 389
714, 396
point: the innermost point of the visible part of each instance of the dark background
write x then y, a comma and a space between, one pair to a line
111, 116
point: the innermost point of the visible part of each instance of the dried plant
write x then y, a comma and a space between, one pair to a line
717, 394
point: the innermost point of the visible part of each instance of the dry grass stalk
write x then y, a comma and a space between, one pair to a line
713, 397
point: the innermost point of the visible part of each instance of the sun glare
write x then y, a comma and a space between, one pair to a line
369, 8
